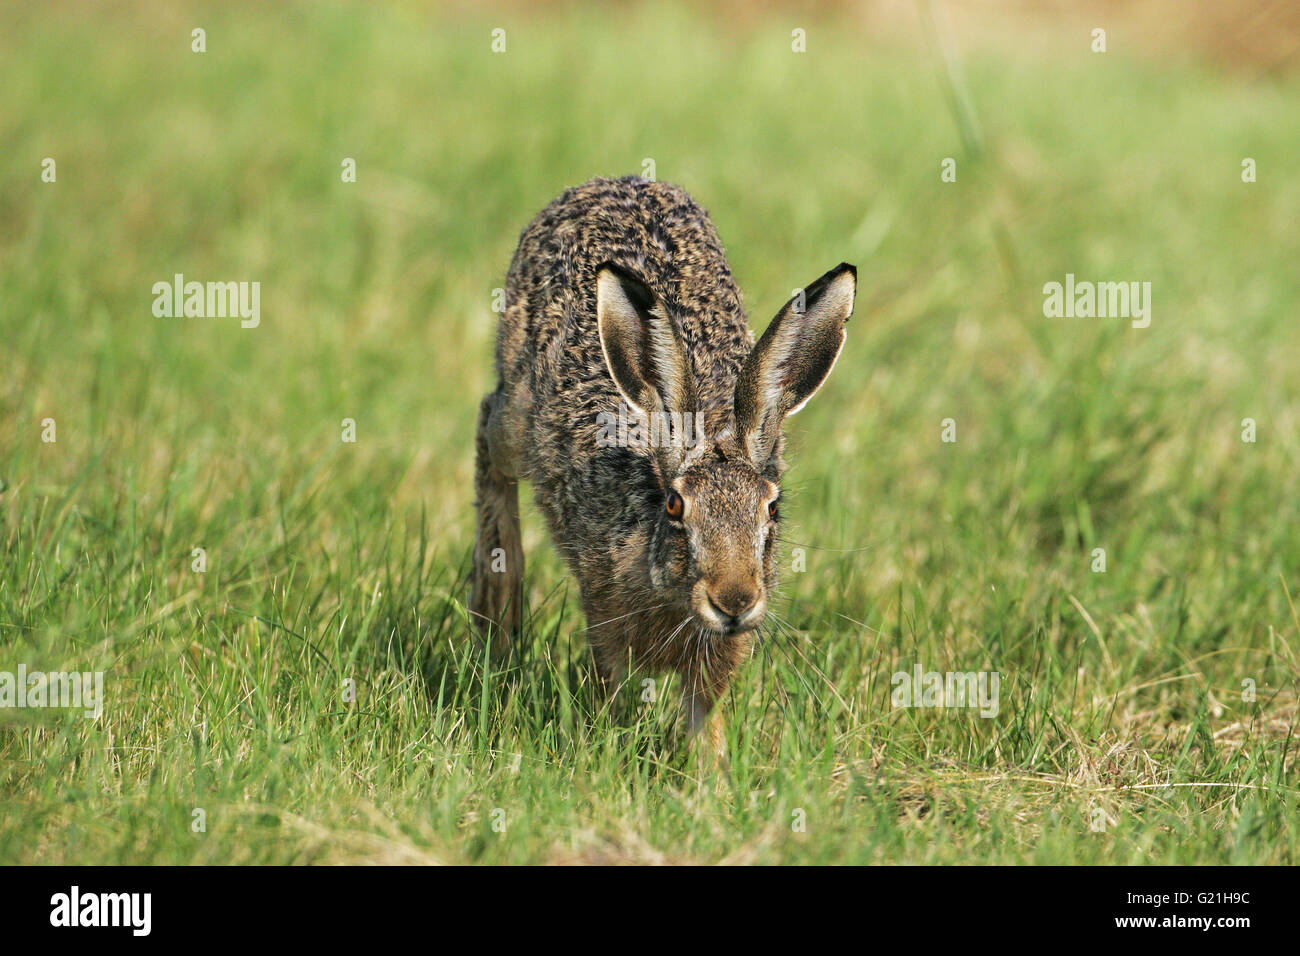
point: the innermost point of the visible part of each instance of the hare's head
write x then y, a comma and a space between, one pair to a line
712, 522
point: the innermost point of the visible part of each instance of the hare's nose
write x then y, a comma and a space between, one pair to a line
734, 604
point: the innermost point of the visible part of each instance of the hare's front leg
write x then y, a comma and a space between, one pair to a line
497, 592
703, 717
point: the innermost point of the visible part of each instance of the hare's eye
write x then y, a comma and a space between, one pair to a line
773, 512
675, 506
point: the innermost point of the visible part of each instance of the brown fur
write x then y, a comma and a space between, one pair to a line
620, 295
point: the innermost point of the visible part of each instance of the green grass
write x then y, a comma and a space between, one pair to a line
331, 562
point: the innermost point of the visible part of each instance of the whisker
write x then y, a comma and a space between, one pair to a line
820, 673
662, 646
798, 726
799, 671
860, 624
813, 547
640, 610
763, 643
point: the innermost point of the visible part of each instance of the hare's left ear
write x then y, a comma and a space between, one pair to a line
792, 359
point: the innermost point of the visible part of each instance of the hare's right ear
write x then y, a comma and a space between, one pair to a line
643, 352
792, 359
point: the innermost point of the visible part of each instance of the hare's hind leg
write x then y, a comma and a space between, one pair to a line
496, 594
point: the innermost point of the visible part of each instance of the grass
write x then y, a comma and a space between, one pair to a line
334, 565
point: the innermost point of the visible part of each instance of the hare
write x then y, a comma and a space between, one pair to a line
633, 398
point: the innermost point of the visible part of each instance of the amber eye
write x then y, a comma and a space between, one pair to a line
675, 506
773, 512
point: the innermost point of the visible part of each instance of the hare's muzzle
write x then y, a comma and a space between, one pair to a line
730, 610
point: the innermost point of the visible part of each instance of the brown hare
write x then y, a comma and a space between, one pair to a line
633, 398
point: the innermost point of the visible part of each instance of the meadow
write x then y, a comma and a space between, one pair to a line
279, 614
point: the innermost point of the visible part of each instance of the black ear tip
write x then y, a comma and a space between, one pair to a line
844, 267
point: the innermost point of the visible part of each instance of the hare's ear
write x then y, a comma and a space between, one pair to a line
643, 351
792, 359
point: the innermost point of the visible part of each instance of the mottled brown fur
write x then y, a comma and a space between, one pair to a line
620, 295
